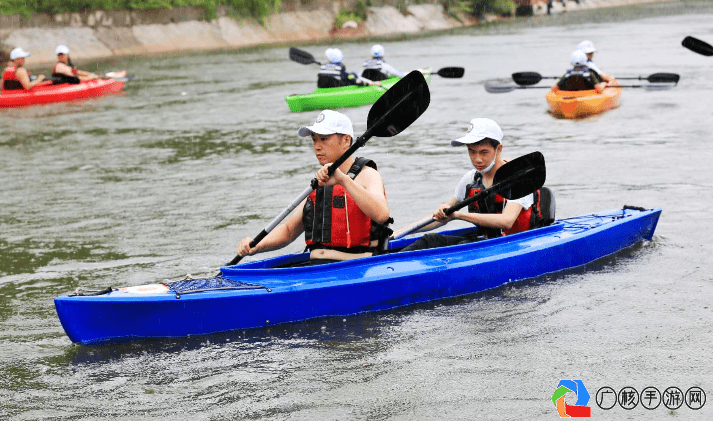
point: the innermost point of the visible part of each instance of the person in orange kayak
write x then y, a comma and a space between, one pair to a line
347, 215
587, 47
334, 74
15, 76
580, 77
494, 215
64, 72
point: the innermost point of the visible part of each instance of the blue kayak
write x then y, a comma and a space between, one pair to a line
273, 291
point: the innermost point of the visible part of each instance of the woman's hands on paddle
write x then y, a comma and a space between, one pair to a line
440, 214
244, 248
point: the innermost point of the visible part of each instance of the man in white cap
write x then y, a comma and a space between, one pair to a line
334, 74
15, 76
495, 216
346, 216
580, 77
376, 68
587, 47
64, 72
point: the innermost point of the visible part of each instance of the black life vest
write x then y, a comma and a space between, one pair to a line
59, 78
540, 214
579, 80
332, 220
372, 70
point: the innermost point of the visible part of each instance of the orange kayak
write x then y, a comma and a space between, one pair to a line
46, 92
578, 104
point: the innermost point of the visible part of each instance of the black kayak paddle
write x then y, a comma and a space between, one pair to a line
532, 78
698, 46
397, 108
515, 179
303, 57
494, 88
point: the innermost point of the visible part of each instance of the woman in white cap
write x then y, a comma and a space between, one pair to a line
495, 216
64, 72
587, 47
334, 74
15, 76
346, 216
580, 77
376, 68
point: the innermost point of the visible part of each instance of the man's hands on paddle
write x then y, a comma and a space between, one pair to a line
244, 247
324, 179
440, 214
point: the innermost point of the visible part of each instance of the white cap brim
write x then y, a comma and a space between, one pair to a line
308, 130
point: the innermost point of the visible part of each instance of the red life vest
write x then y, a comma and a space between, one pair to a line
10, 80
494, 203
332, 219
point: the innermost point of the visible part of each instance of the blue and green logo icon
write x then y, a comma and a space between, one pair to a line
580, 408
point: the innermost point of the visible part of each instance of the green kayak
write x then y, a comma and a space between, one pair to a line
344, 96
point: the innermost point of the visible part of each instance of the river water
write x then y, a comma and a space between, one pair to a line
202, 150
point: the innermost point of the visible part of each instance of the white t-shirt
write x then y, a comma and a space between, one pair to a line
525, 202
594, 67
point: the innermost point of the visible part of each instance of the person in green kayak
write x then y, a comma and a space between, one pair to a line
376, 68
587, 47
494, 215
64, 72
15, 76
346, 217
334, 74
580, 77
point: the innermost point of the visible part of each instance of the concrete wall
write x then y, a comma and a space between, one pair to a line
102, 34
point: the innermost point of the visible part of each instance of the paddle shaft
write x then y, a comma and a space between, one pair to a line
463, 203
358, 143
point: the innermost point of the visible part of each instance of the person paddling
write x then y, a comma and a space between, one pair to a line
64, 72
580, 77
376, 68
587, 47
334, 74
494, 216
346, 216
15, 76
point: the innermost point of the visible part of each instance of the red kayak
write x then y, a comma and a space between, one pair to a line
46, 92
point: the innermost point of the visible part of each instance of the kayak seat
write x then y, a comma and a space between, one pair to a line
575, 83
12, 85
373, 75
543, 212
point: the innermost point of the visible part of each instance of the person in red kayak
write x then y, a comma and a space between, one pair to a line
334, 74
15, 76
580, 77
587, 47
346, 217
494, 216
64, 72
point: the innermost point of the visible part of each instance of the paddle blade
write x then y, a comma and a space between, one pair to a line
697, 46
302, 57
663, 78
451, 72
494, 88
526, 78
521, 176
400, 106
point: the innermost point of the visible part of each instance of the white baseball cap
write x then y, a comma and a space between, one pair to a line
578, 58
328, 122
18, 53
586, 47
61, 49
377, 50
334, 55
479, 129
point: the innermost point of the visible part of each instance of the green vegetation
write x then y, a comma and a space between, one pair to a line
357, 15
480, 7
258, 9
